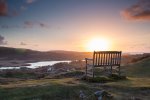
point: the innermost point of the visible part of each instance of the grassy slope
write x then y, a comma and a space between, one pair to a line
137, 85
138, 82
44, 89
139, 69
68, 89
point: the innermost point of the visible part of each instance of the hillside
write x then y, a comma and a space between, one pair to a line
7, 53
63, 88
37, 85
140, 68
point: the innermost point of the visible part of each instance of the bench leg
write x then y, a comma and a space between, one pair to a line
86, 70
119, 70
111, 70
93, 71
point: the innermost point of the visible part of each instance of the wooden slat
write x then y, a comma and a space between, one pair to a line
115, 58
103, 59
118, 60
99, 59
106, 58
111, 61
94, 58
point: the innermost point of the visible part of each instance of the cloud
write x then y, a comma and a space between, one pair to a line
42, 24
4, 11
22, 43
31, 24
9, 26
25, 44
2, 41
28, 24
3, 8
138, 11
5, 26
30, 1
13, 10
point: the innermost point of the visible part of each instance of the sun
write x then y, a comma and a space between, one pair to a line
98, 44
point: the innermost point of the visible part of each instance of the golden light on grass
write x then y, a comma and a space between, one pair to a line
98, 44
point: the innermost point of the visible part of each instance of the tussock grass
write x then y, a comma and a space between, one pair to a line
137, 85
138, 69
53, 92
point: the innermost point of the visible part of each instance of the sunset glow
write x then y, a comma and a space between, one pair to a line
75, 25
98, 44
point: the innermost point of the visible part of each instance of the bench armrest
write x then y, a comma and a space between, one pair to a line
88, 59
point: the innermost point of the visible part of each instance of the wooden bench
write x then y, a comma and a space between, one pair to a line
103, 59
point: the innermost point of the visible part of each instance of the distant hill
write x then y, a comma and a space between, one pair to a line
140, 68
7, 53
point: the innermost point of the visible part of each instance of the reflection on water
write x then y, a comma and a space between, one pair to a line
36, 64
3, 68
44, 63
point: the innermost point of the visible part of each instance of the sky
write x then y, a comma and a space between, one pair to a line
70, 24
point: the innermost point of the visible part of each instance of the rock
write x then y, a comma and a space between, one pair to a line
134, 98
103, 95
82, 96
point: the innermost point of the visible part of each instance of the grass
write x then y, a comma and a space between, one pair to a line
54, 92
41, 82
101, 79
45, 89
70, 74
104, 79
137, 85
68, 89
131, 82
139, 69
18, 75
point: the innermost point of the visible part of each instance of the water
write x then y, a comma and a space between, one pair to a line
44, 63
36, 64
4, 68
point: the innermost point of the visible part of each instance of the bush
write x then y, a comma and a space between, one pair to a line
116, 77
104, 79
101, 79
70, 74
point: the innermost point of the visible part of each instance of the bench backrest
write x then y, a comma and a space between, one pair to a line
106, 58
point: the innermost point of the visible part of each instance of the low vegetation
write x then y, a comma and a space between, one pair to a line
138, 69
104, 79
26, 84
